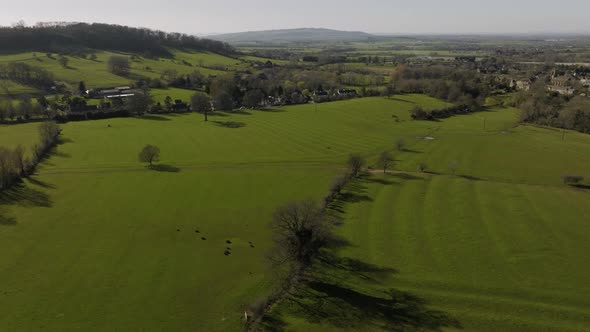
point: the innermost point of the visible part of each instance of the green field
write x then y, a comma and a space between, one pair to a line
95, 241
96, 74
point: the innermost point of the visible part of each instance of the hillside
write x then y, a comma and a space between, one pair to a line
76, 38
500, 246
292, 35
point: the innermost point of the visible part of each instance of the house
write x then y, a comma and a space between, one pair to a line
321, 94
562, 90
521, 85
561, 81
347, 92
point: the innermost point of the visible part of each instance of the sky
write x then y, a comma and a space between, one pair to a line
373, 16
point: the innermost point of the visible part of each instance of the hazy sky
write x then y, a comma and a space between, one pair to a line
385, 16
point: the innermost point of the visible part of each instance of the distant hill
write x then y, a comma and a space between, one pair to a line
72, 38
292, 35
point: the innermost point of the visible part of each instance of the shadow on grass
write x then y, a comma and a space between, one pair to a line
164, 168
405, 176
6, 220
351, 197
230, 124
23, 195
217, 114
153, 117
412, 151
469, 177
32, 179
346, 293
402, 100
238, 112
271, 110
391, 309
582, 186
349, 293
382, 181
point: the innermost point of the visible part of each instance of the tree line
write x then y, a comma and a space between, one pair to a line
74, 38
541, 107
15, 164
26, 74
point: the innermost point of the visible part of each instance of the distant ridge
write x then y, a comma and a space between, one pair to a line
292, 35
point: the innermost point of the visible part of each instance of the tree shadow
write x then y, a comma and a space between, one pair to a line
469, 177
217, 114
352, 266
381, 181
402, 100
412, 151
37, 182
271, 110
7, 221
582, 186
350, 197
230, 124
239, 112
153, 118
164, 168
392, 310
405, 176
23, 195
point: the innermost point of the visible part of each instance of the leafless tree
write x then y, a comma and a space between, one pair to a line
400, 144
119, 65
7, 174
453, 167
422, 167
355, 164
300, 230
20, 160
385, 160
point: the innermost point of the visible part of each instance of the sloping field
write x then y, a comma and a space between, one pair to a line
95, 241
95, 73
500, 246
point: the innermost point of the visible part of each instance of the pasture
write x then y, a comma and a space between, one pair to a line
95, 240
95, 73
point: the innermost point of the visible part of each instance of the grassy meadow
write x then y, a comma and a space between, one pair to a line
96, 74
95, 241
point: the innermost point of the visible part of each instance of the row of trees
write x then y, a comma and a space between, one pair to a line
301, 230
15, 163
26, 74
551, 109
23, 110
74, 38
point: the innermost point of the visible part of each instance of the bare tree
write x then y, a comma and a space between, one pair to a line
149, 154
422, 167
355, 164
201, 103
63, 61
453, 167
300, 231
119, 65
385, 160
20, 160
400, 144
339, 184
7, 174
